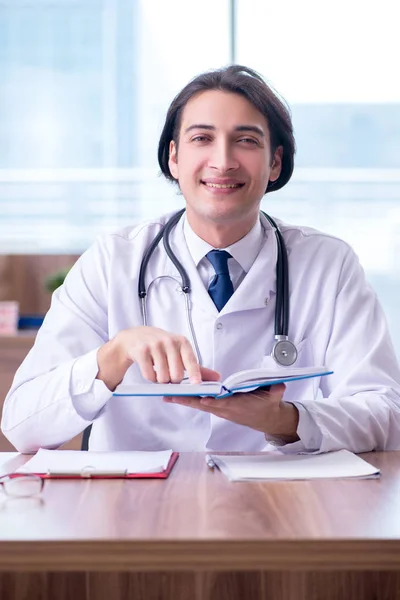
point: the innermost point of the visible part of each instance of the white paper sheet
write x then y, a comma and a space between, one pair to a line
77, 462
278, 466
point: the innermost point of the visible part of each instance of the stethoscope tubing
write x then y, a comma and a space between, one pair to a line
282, 282
282, 308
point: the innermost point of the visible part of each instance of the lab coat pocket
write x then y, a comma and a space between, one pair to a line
304, 354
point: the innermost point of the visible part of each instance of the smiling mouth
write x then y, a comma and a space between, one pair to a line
223, 186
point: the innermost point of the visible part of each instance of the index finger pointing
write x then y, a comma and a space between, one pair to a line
190, 363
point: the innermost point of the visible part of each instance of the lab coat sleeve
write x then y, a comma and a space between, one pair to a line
360, 407
55, 394
307, 430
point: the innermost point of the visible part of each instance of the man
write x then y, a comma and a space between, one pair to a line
227, 141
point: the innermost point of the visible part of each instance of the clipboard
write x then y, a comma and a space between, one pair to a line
90, 472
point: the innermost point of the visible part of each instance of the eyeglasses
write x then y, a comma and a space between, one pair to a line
21, 485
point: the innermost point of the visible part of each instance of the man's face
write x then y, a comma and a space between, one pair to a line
223, 161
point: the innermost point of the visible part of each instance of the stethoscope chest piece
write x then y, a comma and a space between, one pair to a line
284, 352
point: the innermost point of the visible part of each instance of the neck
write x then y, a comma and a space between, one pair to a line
221, 235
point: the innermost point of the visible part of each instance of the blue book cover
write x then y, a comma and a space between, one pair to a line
243, 381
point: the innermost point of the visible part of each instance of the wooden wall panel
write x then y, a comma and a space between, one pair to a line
22, 278
13, 350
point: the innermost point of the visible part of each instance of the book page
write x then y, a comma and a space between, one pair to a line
205, 388
276, 465
77, 461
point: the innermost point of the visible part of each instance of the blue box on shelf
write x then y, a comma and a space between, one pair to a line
30, 321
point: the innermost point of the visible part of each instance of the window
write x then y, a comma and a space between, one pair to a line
336, 63
85, 88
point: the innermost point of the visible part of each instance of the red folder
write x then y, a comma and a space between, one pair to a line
92, 475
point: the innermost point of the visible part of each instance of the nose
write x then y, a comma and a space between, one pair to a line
222, 157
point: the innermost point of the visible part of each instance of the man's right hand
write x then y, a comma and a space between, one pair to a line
162, 357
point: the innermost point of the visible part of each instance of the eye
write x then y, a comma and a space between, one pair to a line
200, 138
249, 141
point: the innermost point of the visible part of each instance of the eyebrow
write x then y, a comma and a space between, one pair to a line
240, 128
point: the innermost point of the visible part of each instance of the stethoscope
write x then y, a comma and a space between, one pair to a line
284, 351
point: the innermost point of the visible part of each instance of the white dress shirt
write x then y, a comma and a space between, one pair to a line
244, 253
335, 320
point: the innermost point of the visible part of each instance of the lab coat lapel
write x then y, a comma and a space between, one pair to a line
255, 289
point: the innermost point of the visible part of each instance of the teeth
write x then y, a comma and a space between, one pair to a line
223, 185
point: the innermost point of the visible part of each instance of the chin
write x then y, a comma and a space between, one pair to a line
223, 213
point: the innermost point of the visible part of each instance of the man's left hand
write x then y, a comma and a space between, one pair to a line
262, 409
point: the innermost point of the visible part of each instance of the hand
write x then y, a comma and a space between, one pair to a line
161, 356
263, 410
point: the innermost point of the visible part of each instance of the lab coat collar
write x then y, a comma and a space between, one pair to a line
255, 289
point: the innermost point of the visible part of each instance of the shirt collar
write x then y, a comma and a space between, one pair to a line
244, 251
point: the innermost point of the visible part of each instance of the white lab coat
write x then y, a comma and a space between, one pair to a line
335, 319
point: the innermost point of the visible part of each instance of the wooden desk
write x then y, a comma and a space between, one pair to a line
196, 536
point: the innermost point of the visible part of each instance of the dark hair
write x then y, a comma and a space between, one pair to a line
246, 82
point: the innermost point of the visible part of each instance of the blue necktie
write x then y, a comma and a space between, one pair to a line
221, 287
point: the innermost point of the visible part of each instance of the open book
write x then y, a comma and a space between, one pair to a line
242, 381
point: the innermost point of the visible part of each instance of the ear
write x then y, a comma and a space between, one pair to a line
276, 166
173, 160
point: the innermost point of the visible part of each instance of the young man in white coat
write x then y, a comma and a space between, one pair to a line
227, 141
